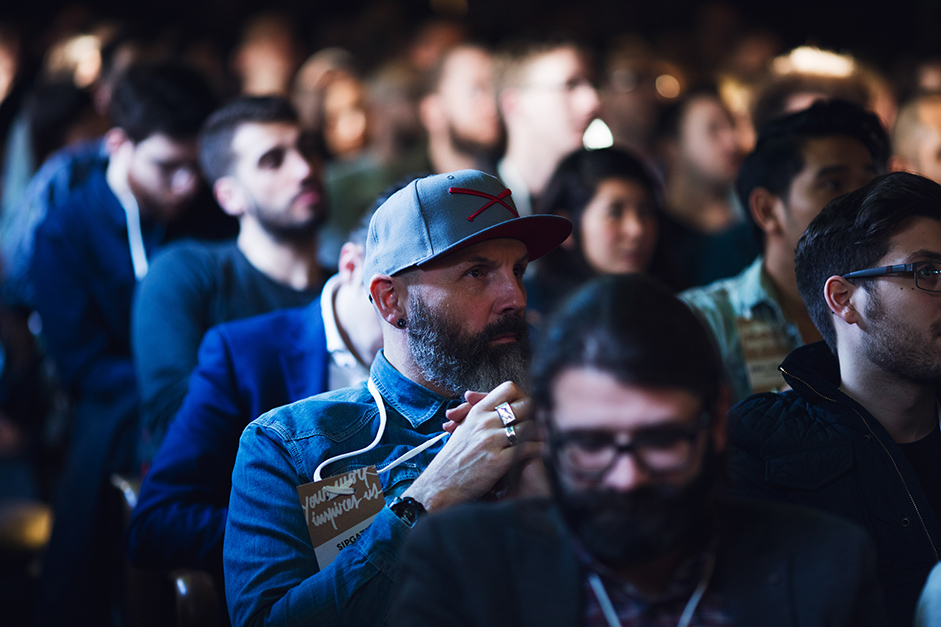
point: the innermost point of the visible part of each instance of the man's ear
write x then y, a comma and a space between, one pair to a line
766, 209
388, 297
351, 261
838, 294
229, 195
115, 138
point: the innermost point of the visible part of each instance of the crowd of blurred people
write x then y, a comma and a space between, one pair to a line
156, 189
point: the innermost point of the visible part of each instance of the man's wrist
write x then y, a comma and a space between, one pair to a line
407, 509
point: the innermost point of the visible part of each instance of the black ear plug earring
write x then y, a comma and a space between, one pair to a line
401, 323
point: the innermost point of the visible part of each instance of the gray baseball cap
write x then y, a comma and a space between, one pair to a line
444, 213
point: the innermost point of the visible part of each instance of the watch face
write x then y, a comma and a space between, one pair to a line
408, 509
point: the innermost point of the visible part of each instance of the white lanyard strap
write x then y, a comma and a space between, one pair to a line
135, 238
611, 616
382, 427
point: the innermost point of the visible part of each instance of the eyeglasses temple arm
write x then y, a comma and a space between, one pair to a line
859, 274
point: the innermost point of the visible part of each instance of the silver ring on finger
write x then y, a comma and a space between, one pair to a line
505, 411
510, 431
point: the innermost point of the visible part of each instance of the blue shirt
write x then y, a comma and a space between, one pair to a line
271, 574
745, 301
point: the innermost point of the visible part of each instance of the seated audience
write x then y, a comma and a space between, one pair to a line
444, 266
264, 173
858, 435
246, 367
614, 204
626, 392
89, 256
799, 164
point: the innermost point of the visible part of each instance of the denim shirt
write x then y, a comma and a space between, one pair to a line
271, 574
749, 296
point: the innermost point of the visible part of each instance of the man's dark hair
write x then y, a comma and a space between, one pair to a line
166, 98
778, 155
215, 139
854, 231
631, 327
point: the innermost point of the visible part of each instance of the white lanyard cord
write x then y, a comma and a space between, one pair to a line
382, 427
612, 618
135, 237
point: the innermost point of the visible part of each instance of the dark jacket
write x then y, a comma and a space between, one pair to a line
514, 564
815, 446
246, 368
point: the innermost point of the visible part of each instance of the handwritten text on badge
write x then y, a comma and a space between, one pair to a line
337, 510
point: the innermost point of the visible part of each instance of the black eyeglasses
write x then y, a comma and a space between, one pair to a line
927, 274
589, 455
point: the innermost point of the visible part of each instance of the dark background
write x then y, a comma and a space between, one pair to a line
882, 33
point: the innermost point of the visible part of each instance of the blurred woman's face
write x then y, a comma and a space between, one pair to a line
619, 227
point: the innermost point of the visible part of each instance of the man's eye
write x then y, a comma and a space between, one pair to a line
928, 270
591, 442
271, 159
661, 439
475, 272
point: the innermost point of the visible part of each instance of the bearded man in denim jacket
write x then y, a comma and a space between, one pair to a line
444, 265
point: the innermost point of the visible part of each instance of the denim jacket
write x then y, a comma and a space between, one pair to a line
271, 574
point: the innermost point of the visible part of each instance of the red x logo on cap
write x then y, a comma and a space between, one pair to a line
493, 199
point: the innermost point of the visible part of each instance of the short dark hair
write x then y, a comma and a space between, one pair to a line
778, 154
854, 231
161, 98
631, 327
215, 139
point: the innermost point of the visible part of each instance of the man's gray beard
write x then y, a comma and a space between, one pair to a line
451, 358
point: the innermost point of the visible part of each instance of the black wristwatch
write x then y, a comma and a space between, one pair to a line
408, 509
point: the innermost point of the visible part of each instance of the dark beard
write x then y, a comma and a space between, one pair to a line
284, 230
625, 529
471, 147
897, 349
458, 361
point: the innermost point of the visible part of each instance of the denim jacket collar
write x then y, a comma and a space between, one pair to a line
414, 402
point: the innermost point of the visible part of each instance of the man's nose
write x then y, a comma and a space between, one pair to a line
184, 181
301, 167
625, 474
632, 225
590, 99
513, 294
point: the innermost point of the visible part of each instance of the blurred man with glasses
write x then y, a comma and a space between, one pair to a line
547, 99
628, 394
859, 434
